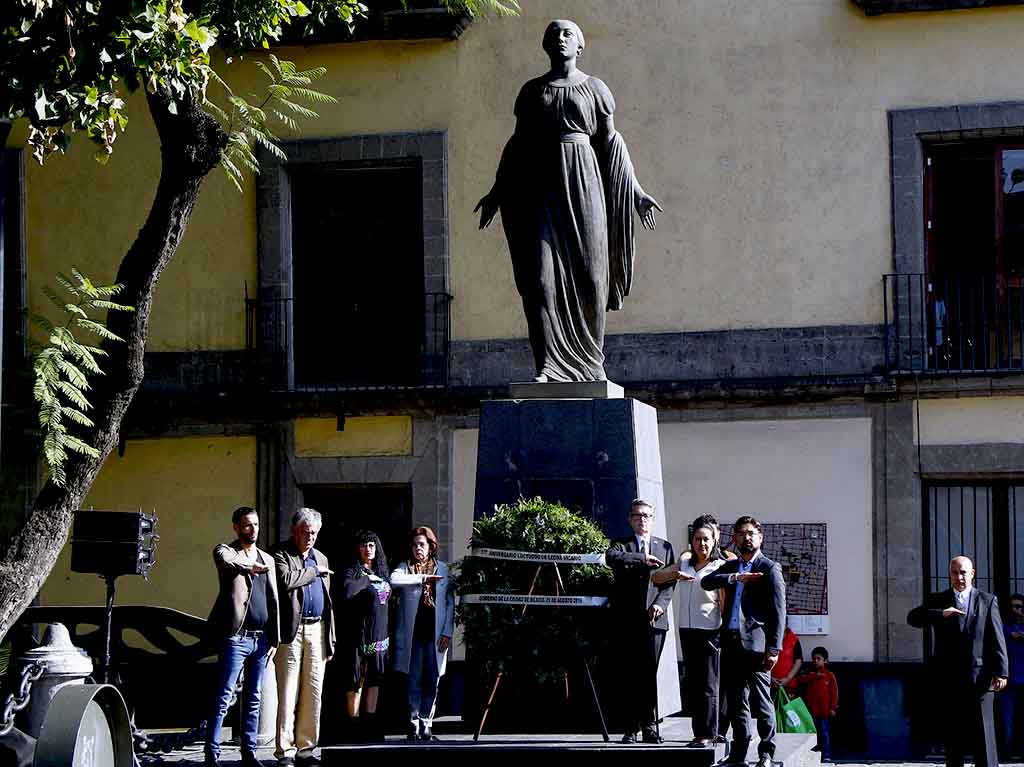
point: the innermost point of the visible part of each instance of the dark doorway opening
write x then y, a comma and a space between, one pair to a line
346, 509
386, 509
357, 243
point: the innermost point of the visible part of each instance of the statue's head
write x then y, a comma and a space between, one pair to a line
563, 39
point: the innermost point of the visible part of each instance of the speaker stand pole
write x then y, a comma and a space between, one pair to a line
108, 626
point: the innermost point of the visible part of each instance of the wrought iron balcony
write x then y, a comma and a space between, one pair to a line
955, 324
302, 348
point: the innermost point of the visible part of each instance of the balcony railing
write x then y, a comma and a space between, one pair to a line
316, 356
956, 324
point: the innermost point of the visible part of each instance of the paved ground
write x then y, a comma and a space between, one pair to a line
193, 757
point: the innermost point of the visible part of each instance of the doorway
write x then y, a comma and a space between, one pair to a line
386, 509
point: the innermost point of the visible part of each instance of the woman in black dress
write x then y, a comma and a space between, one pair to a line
367, 587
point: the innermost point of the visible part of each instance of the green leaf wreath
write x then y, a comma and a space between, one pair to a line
544, 643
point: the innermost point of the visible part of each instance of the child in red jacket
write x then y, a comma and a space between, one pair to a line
821, 694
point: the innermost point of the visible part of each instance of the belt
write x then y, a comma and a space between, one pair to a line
254, 633
309, 619
574, 138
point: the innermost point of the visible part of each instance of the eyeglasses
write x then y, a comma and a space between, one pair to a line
641, 515
1017, 606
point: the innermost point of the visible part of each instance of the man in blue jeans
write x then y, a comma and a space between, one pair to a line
245, 621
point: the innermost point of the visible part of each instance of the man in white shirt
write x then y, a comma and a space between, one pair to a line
969, 661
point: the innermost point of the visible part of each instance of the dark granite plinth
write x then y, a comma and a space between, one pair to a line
593, 456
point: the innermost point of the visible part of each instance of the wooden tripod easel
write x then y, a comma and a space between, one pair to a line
559, 588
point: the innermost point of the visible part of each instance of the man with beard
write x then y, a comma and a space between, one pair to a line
639, 615
753, 621
244, 620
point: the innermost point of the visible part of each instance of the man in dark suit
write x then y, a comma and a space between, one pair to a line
640, 617
753, 621
970, 660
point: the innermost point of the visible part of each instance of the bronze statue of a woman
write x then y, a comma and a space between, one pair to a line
567, 191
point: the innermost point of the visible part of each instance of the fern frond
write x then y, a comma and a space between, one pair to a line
97, 329
107, 291
266, 70
288, 120
65, 282
298, 109
84, 283
71, 391
110, 305
217, 112
314, 96
86, 357
72, 373
78, 417
83, 448
282, 67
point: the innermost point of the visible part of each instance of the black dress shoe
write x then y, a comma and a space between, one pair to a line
629, 737
429, 736
701, 743
649, 735
729, 761
764, 760
286, 761
307, 761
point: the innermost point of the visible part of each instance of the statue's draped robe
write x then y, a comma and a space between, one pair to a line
566, 189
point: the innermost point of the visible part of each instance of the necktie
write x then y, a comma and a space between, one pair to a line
643, 547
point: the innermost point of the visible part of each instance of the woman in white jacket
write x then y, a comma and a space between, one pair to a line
424, 625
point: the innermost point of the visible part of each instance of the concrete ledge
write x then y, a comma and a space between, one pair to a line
565, 390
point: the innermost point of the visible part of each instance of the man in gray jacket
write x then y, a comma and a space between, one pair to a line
244, 620
753, 621
307, 639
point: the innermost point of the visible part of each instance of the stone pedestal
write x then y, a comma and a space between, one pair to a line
593, 456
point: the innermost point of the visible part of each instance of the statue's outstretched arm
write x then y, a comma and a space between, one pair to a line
490, 202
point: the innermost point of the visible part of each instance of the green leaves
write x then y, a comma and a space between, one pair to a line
541, 641
63, 367
250, 124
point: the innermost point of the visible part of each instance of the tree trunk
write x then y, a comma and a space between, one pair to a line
191, 143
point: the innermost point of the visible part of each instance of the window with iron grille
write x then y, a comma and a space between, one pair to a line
984, 521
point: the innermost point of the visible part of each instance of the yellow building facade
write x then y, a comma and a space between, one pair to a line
803, 150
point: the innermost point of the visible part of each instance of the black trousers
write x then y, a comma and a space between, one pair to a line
639, 654
748, 693
701, 654
970, 727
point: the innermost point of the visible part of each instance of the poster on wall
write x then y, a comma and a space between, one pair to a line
802, 551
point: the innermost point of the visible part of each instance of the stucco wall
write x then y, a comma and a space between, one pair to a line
971, 421
804, 470
362, 436
193, 484
761, 127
